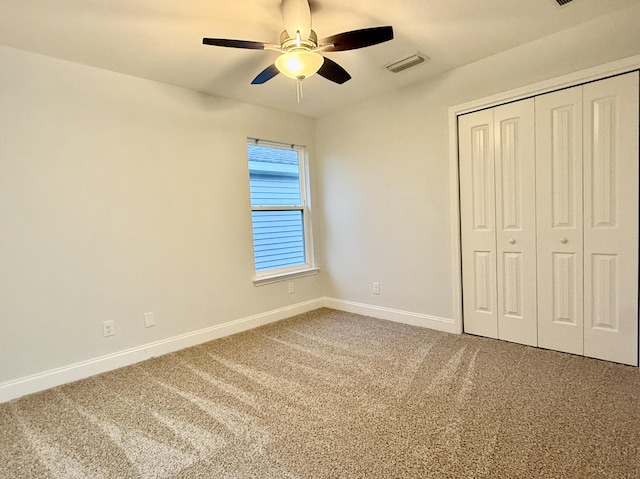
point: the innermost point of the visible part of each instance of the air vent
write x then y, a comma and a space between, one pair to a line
407, 62
563, 2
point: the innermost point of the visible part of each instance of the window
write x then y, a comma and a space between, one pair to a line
280, 213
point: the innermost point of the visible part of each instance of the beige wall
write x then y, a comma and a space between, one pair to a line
120, 196
384, 168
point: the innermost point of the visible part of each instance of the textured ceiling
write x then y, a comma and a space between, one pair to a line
162, 40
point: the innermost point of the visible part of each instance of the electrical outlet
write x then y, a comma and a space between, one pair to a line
376, 288
108, 328
149, 319
292, 288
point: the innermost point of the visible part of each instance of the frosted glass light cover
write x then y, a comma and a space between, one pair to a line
299, 64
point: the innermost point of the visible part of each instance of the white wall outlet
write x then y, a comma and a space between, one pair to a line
108, 328
292, 288
149, 319
376, 288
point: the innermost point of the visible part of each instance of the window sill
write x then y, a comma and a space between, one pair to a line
275, 278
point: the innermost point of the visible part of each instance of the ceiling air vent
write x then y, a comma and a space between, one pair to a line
407, 62
563, 2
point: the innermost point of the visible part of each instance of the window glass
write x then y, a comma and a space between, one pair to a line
279, 210
275, 176
278, 239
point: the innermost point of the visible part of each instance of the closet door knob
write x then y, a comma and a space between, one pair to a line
563, 240
512, 241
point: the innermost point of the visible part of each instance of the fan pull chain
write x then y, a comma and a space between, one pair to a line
299, 88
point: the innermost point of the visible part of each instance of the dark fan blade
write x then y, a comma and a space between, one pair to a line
357, 39
334, 72
223, 42
265, 75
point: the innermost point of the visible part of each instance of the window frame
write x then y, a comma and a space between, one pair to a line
308, 267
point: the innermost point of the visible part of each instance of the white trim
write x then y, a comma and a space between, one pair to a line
74, 372
389, 314
274, 278
308, 267
456, 244
572, 79
277, 208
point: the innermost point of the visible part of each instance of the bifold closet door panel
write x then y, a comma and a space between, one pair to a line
549, 220
559, 220
610, 111
516, 222
477, 213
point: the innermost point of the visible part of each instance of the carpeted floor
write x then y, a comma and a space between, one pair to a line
335, 395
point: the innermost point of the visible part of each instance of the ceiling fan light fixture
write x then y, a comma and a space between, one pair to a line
299, 63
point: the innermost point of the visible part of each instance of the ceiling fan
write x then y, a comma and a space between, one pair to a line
301, 50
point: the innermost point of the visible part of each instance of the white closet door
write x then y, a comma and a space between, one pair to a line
559, 220
610, 112
516, 222
477, 205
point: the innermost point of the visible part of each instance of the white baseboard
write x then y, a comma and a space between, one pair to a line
74, 372
407, 317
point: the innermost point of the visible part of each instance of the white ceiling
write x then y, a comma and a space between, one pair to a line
162, 40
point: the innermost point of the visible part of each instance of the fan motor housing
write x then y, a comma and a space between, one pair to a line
288, 43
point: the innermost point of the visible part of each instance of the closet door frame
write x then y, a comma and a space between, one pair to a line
573, 79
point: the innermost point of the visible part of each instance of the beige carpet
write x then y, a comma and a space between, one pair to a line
335, 395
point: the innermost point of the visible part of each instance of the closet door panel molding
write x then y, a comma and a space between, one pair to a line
559, 220
611, 218
516, 221
477, 202
549, 205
